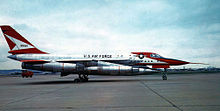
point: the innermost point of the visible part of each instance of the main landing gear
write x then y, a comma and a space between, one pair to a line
164, 76
82, 78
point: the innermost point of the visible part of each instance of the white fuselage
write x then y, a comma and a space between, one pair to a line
99, 57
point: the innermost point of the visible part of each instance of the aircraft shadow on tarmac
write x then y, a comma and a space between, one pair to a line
90, 81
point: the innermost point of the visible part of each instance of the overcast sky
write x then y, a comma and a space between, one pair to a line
187, 30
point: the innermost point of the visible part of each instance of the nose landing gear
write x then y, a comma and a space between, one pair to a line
164, 76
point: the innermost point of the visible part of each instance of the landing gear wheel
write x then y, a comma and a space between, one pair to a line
164, 77
82, 78
77, 80
85, 78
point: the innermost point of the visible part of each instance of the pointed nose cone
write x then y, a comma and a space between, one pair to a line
12, 57
175, 61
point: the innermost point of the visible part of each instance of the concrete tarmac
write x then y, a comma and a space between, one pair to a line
183, 92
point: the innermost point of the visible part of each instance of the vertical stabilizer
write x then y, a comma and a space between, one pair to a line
17, 43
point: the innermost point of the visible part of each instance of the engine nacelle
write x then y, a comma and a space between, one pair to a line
54, 67
117, 70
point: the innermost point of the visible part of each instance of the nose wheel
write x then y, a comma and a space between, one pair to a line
81, 78
164, 76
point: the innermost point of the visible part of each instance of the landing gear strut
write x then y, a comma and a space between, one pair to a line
82, 78
164, 76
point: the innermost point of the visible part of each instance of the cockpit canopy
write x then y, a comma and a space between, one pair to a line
155, 56
148, 54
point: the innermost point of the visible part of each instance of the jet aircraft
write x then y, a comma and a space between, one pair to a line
134, 63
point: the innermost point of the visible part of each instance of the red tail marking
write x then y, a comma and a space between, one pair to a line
11, 32
10, 43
